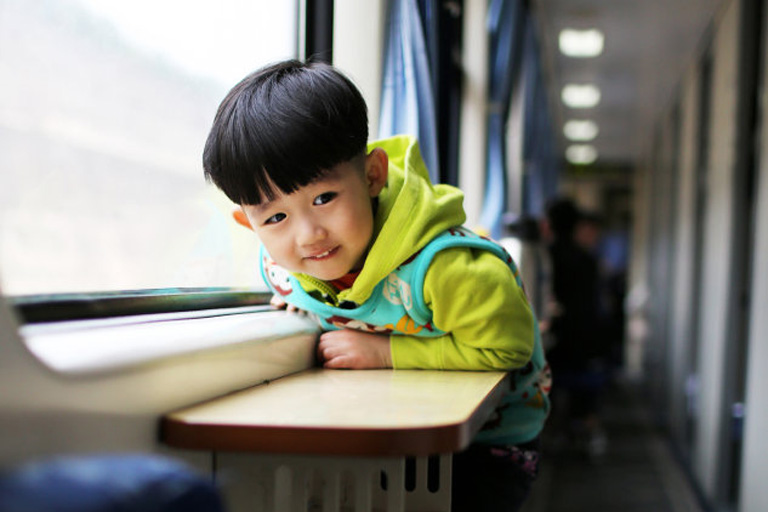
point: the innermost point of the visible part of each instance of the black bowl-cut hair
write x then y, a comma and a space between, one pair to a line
283, 127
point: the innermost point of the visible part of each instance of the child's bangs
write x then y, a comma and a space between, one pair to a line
293, 158
285, 172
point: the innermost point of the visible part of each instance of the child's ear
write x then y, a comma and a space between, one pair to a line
241, 218
376, 170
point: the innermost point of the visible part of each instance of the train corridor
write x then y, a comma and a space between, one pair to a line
637, 472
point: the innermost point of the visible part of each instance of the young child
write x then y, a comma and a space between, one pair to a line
357, 235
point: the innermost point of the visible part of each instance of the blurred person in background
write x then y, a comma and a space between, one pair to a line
578, 348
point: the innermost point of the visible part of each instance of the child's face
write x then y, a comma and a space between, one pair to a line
323, 229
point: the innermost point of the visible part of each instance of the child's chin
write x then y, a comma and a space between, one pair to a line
327, 276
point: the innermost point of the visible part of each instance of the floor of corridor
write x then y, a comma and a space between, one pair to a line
636, 473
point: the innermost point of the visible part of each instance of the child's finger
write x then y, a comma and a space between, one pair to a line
277, 301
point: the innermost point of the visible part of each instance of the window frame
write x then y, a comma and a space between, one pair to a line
35, 309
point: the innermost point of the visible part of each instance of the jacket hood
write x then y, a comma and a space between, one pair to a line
411, 212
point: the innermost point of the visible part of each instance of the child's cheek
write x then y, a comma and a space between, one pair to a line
275, 244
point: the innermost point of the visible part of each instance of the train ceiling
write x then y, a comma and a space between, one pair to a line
647, 46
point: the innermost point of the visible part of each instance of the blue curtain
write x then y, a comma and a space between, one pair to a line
505, 25
539, 147
407, 97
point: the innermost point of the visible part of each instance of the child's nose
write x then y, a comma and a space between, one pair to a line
311, 232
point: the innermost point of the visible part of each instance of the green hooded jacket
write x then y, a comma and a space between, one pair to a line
472, 293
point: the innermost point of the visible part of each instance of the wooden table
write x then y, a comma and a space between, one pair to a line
363, 422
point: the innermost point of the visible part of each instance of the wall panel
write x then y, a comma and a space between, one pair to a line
716, 255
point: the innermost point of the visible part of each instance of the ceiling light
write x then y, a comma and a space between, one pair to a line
580, 96
580, 130
581, 154
581, 43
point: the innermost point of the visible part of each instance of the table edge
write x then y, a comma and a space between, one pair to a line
387, 441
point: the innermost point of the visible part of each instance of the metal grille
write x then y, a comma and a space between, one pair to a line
278, 483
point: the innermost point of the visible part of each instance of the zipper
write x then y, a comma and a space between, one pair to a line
323, 287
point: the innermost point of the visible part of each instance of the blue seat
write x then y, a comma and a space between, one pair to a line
107, 483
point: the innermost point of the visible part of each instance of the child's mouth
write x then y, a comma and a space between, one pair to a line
323, 255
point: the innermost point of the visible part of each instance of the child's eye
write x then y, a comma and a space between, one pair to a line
275, 218
324, 198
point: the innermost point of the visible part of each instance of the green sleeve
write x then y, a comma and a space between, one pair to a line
475, 299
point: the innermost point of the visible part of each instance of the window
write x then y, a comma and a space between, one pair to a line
104, 110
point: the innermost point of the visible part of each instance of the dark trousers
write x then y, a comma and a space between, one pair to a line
494, 478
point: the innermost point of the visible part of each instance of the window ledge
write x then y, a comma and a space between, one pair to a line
104, 383
99, 346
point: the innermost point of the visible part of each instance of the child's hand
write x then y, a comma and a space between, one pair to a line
277, 302
355, 350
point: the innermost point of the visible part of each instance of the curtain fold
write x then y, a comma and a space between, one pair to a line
505, 25
409, 103
407, 98
539, 150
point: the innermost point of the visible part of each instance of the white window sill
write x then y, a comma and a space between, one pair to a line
104, 383
99, 346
